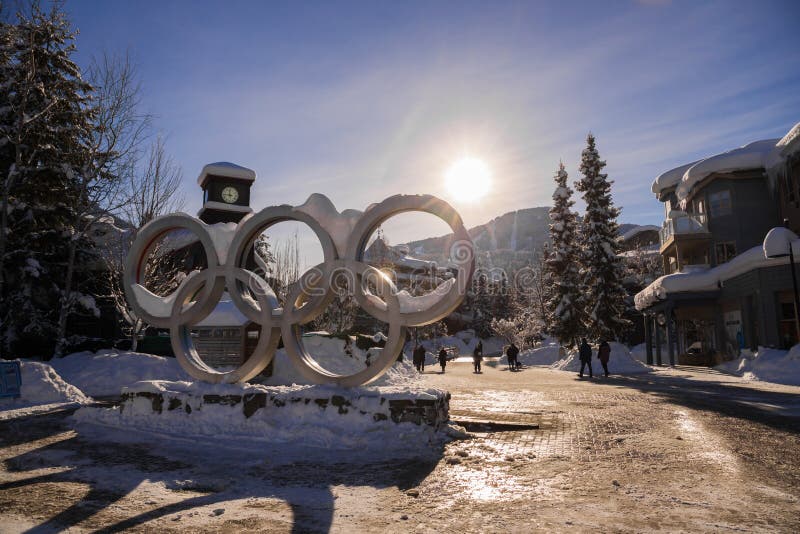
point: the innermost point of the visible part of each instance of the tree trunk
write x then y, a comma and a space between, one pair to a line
66, 301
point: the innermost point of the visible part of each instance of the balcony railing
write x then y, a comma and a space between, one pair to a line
691, 223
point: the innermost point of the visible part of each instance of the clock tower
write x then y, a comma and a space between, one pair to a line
226, 192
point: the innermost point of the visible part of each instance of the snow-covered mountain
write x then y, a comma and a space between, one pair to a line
516, 233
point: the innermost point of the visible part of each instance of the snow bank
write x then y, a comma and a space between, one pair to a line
41, 384
106, 372
545, 355
620, 362
766, 365
359, 420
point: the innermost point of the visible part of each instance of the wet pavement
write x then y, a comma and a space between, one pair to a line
677, 450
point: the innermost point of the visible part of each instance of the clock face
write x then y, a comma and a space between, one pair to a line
230, 195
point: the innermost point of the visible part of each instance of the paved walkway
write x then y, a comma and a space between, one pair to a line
676, 450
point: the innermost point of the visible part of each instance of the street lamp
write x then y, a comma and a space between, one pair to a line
778, 244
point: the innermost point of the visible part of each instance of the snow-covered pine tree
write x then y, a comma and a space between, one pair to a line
47, 122
564, 304
602, 270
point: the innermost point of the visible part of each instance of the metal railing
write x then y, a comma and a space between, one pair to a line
691, 223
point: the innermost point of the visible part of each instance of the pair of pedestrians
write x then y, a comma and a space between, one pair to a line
512, 353
585, 355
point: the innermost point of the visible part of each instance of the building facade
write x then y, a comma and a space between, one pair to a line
720, 293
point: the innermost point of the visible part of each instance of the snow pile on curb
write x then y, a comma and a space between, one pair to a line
349, 424
766, 365
546, 355
41, 384
106, 372
620, 362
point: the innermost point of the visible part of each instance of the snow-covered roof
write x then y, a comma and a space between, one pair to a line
633, 232
671, 178
697, 280
750, 156
765, 154
790, 136
225, 314
226, 169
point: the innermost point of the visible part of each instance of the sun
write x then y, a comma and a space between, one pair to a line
468, 179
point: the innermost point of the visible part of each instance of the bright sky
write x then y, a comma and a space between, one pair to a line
360, 101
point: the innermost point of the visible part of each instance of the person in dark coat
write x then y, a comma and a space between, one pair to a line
585, 354
443, 359
603, 353
415, 357
511, 353
477, 356
419, 358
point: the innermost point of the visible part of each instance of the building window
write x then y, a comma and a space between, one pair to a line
698, 206
725, 251
720, 203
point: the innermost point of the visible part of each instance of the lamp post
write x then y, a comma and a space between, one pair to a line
778, 244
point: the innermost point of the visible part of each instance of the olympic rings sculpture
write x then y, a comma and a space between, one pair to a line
227, 251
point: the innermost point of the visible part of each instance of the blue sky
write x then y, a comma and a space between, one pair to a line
363, 100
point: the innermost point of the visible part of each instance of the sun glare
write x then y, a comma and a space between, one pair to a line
468, 179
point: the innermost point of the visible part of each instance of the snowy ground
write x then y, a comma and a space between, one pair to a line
672, 450
767, 365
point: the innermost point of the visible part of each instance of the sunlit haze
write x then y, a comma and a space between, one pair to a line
468, 179
360, 101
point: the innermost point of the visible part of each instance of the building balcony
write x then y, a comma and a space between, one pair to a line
688, 226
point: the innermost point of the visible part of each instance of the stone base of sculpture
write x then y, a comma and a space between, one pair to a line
275, 414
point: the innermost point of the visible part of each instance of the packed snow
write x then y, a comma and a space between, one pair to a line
767, 365
289, 423
338, 225
750, 156
41, 384
106, 372
226, 168
620, 362
549, 353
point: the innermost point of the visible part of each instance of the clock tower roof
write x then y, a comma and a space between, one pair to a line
225, 169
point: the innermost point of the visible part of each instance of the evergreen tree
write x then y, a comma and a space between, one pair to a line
602, 269
562, 264
44, 129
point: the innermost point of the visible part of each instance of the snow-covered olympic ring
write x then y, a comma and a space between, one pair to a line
343, 238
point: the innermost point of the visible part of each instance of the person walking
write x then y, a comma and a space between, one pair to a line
585, 354
511, 353
477, 356
443, 359
419, 356
415, 357
603, 353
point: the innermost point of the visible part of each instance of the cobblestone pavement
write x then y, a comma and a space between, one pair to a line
676, 450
